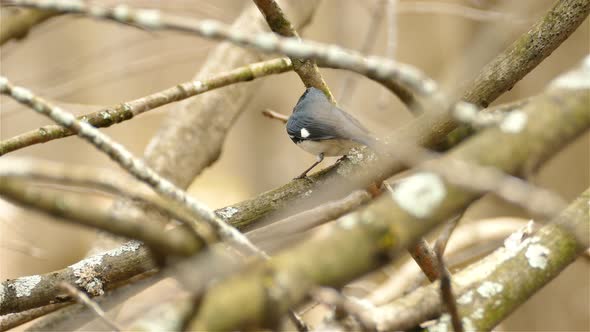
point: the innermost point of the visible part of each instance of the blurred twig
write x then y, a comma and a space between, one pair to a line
93, 306
446, 293
73, 208
16, 23
369, 39
96, 178
436, 7
275, 115
10, 321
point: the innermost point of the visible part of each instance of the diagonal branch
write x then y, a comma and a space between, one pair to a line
306, 68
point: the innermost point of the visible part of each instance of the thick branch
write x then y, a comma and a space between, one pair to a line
493, 287
94, 275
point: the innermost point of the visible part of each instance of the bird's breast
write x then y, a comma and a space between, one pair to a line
329, 147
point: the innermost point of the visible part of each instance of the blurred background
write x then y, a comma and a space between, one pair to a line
84, 64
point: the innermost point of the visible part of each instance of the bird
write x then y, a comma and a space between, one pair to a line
324, 130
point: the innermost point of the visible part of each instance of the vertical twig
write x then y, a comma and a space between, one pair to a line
446, 293
306, 69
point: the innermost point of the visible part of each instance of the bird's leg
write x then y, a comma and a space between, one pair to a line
319, 160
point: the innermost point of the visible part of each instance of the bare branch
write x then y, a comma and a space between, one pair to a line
446, 294
306, 69
127, 110
94, 275
13, 320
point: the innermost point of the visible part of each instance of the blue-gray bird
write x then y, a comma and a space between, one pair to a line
319, 127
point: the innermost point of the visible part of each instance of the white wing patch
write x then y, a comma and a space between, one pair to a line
304, 133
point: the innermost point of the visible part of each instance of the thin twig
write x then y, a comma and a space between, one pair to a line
349, 84
128, 110
446, 294
392, 40
275, 115
311, 218
441, 241
13, 320
93, 306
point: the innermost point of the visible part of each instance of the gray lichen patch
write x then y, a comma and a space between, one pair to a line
24, 286
227, 212
88, 275
488, 289
515, 122
130, 246
420, 194
537, 256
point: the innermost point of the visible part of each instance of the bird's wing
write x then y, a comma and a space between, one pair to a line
327, 122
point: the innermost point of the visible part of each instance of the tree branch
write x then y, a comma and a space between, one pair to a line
493, 287
306, 68
94, 275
